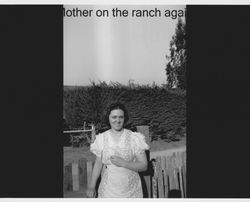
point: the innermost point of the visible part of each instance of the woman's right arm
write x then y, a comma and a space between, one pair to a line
95, 175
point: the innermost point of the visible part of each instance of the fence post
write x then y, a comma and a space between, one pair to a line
82, 173
75, 176
160, 177
165, 171
154, 180
92, 133
67, 178
89, 171
183, 158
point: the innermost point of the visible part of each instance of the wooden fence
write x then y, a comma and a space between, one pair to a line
169, 178
80, 137
166, 176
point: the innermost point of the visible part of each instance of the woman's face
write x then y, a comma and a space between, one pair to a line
116, 119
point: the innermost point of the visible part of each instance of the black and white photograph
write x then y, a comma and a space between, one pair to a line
118, 100
124, 101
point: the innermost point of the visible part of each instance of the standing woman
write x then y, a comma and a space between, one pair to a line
122, 153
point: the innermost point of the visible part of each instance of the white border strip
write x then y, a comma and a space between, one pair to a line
107, 200
129, 2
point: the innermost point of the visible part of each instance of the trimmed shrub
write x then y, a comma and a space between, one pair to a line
163, 110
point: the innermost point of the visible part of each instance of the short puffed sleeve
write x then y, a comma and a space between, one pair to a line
97, 146
139, 143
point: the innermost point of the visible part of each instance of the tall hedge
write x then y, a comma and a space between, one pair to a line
163, 110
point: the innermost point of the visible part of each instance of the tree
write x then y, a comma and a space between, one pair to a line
176, 66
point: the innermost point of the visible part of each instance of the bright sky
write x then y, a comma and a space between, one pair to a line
117, 49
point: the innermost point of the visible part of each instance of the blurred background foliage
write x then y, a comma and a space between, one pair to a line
161, 108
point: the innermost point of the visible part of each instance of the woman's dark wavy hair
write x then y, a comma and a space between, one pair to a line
116, 105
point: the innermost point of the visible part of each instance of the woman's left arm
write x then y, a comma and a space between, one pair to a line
139, 165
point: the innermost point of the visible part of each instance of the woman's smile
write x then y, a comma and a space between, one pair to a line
116, 119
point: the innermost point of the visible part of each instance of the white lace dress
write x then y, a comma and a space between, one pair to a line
119, 182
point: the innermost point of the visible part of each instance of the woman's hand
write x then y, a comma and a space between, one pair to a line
118, 161
90, 193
